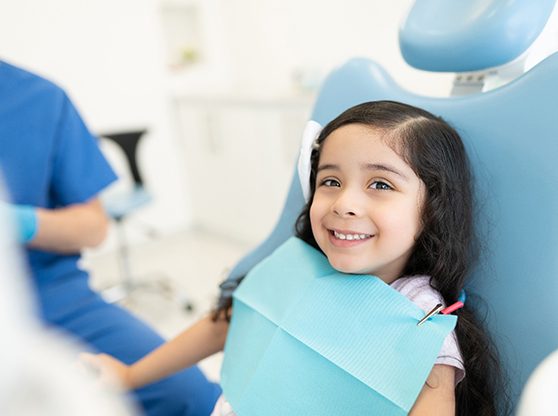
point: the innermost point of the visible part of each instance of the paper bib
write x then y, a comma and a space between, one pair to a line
308, 340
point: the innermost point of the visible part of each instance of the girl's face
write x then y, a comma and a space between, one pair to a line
366, 211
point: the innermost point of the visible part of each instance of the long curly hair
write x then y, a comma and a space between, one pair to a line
447, 246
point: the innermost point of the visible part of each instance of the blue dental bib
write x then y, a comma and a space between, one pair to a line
308, 340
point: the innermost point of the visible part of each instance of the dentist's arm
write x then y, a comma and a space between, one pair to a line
72, 228
61, 230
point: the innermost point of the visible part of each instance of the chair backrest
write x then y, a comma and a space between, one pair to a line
511, 136
128, 142
119, 205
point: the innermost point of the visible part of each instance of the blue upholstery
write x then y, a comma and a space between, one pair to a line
470, 35
511, 135
122, 204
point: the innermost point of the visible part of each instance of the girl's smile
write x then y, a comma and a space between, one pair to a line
341, 238
366, 210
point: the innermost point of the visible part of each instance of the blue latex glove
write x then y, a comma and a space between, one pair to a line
24, 217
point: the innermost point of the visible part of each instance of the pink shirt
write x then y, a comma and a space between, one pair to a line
418, 290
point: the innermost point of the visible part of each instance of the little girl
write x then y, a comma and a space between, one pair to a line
390, 196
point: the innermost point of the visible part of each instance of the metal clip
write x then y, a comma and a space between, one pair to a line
433, 312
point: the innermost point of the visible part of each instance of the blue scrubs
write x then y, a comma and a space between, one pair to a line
49, 159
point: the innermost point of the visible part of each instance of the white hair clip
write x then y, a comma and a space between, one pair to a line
309, 136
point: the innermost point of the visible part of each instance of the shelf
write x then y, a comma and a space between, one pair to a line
183, 33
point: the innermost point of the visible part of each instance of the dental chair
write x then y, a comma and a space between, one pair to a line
511, 135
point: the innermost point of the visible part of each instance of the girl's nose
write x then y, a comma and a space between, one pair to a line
342, 213
346, 205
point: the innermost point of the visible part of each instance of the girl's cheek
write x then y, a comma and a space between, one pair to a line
312, 214
314, 209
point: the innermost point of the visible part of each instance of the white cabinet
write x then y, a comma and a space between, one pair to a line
240, 156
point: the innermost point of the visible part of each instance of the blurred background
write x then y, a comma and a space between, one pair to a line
222, 90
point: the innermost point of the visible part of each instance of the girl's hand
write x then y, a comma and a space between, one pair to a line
108, 369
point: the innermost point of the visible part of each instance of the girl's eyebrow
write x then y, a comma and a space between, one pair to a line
327, 166
387, 168
367, 166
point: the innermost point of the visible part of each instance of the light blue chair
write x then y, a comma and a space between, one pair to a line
511, 134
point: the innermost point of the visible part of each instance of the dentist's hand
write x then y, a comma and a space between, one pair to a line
23, 217
108, 369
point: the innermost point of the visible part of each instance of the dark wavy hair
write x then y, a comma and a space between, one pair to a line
447, 246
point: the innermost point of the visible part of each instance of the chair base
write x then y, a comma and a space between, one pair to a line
125, 290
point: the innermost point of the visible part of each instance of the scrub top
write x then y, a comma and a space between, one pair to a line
48, 157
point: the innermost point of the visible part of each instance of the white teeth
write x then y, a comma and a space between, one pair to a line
349, 237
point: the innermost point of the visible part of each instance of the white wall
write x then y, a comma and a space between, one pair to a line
268, 40
109, 55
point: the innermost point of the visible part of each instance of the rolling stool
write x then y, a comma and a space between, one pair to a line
118, 207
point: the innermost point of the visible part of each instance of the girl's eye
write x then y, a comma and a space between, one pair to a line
331, 182
382, 186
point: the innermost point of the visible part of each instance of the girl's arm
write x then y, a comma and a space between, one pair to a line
201, 340
437, 397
